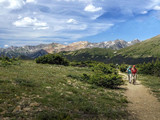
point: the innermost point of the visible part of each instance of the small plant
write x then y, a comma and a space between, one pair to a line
54, 116
24, 82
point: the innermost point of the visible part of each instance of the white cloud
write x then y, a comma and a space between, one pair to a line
156, 7
144, 12
91, 8
34, 13
72, 21
14, 4
19, 16
41, 28
6, 46
31, 1
31, 22
66, 19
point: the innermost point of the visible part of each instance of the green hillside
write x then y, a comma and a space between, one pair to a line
103, 55
45, 92
147, 48
95, 54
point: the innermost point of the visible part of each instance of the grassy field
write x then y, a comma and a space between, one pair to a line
151, 82
44, 92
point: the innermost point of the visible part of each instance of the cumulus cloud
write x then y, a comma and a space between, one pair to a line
11, 4
157, 7
31, 22
92, 8
72, 21
66, 20
6, 46
144, 12
31, 1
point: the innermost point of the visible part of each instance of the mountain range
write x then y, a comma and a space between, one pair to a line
32, 52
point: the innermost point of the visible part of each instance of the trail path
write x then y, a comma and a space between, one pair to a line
143, 106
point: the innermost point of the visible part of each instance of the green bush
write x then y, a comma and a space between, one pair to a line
52, 59
84, 64
123, 67
5, 61
105, 75
150, 68
104, 68
108, 81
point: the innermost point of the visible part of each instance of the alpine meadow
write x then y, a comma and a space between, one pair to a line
79, 60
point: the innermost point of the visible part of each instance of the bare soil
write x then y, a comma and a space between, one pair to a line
143, 104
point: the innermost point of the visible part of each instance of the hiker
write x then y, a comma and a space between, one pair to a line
134, 74
129, 74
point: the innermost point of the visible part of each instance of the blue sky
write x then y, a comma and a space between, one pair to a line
32, 22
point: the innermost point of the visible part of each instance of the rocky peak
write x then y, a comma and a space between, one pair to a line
42, 49
134, 42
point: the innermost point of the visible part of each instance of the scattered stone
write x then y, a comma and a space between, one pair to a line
35, 104
26, 109
70, 93
38, 96
48, 87
39, 110
2, 113
17, 109
6, 118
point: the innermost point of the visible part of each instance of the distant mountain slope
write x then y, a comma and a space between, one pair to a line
95, 54
42, 49
102, 55
147, 48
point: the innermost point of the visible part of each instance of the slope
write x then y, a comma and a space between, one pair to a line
95, 54
147, 48
31, 91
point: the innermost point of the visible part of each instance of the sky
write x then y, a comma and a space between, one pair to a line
33, 22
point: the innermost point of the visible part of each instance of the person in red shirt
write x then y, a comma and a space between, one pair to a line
134, 74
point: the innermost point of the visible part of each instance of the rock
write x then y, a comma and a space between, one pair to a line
70, 93
39, 110
6, 118
48, 87
26, 109
37, 96
17, 109
35, 104
2, 113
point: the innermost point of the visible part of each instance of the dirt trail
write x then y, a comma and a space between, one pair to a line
143, 106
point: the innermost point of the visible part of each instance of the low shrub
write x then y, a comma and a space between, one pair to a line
52, 59
5, 61
101, 67
108, 81
84, 63
123, 67
150, 68
104, 75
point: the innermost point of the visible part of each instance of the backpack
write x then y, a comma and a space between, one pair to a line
129, 70
134, 70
